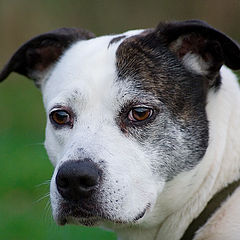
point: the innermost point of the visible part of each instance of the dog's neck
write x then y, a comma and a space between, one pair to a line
186, 195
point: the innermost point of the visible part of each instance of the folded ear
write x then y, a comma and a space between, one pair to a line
200, 47
34, 58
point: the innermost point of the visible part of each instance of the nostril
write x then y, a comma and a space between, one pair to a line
87, 182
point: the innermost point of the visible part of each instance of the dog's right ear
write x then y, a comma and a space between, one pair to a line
34, 58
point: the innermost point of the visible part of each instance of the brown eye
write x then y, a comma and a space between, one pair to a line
60, 117
140, 114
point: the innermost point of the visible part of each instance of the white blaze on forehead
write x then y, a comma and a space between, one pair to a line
88, 65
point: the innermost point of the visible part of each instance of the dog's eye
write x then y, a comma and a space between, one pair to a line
140, 114
60, 117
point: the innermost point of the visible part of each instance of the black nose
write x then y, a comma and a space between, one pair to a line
76, 180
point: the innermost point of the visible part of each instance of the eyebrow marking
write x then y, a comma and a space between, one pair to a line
115, 40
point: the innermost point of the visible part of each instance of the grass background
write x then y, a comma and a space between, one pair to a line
25, 170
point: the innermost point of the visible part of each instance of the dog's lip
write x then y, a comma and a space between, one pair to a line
136, 219
63, 220
142, 214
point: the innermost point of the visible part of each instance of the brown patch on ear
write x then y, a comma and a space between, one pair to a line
201, 38
34, 57
186, 44
209, 52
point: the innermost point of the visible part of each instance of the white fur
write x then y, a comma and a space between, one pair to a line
90, 90
195, 63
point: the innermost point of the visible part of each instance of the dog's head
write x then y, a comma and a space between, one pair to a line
126, 113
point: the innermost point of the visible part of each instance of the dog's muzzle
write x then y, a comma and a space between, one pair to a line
82, 196
78, 180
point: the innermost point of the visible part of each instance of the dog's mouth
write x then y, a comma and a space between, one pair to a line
89, 222
74, 214
142, 214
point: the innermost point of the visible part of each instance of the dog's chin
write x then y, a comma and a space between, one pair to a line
74, 214
91, 219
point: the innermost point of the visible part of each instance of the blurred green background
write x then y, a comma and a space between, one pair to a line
25, 171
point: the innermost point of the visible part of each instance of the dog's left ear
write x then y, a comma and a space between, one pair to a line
199, 46
34, 58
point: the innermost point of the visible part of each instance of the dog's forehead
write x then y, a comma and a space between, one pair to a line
89, 66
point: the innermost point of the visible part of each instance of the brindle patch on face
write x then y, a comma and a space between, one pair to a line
156, 70
179, 133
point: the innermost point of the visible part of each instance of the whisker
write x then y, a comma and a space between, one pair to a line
47, 210
42, 198
47, 182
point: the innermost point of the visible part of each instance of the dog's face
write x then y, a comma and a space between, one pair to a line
126, 113
123, 121
101, 132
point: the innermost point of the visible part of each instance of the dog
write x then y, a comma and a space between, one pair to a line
143, 128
